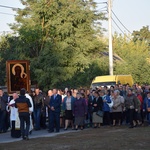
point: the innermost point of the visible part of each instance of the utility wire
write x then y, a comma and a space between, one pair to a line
7, 14
9, 7
101, 3
120, 22
117, 25
114, 28
120, 29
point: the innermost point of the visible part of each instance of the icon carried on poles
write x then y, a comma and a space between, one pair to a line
18, 75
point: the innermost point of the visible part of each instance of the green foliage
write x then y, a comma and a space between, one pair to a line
58, 37
142, 35
135, 58
7, 52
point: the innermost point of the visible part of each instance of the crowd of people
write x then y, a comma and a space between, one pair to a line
74, 108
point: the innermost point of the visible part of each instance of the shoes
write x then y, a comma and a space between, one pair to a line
65, 129
30, 132
25, 138
95, 126
49, 131
36, 129
131, 126
57, 131
76, 128
4, 131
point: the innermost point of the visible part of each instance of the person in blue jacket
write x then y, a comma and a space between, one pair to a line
146, 106
106, 108
55, 108
68, 105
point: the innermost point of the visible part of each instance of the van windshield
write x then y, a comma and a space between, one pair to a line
98, 84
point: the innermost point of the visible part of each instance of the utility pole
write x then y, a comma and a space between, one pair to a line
110, 37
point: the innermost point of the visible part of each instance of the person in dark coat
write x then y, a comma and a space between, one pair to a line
79, 111
55, 108
97, 105
23, 104
38, 101
3, 112
47, 101
131, 105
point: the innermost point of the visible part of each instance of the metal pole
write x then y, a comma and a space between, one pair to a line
110, 37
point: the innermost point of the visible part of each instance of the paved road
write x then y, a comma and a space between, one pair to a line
6, 138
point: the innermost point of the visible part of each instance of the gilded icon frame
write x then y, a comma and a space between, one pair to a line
18, 75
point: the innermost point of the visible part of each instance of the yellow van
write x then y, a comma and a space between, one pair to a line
111, 80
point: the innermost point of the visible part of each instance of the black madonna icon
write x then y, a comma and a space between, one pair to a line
17, 75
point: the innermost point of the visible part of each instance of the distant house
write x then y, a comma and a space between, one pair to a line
115, 56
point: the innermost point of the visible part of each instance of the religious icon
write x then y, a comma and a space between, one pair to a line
17, 75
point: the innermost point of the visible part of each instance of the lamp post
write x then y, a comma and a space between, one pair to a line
110, 37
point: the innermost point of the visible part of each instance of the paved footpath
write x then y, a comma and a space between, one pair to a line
6, 138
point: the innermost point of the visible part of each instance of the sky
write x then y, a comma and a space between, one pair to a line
133, 14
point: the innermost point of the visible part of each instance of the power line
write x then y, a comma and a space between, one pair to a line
101, 2
120, 22
7, 14
117, 25
114, 28
120, 29
9, 7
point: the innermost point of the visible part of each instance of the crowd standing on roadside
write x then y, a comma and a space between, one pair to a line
74, 108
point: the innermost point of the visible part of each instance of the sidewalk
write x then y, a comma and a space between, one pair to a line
6, 138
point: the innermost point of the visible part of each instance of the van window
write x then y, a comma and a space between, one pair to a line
103, 84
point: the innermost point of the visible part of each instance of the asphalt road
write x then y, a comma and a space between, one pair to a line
6, 138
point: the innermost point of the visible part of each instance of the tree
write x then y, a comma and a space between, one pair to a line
142, 35
7, 52
135, 58
58, 37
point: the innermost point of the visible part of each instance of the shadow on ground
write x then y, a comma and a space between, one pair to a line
104, 138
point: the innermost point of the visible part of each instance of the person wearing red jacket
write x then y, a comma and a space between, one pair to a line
139, 96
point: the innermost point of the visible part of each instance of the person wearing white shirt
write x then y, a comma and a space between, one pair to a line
14, 118
30, 111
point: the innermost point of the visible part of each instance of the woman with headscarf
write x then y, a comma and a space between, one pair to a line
131, 105
117, 108
97, 105
79, 111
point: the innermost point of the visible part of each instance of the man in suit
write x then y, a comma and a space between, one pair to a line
55, 108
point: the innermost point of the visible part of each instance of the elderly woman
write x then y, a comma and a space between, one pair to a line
97, 105
79, 111
118, 102
131, 104
106, 100
68, 104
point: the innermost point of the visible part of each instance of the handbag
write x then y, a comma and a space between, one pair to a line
100, 113
110, 104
